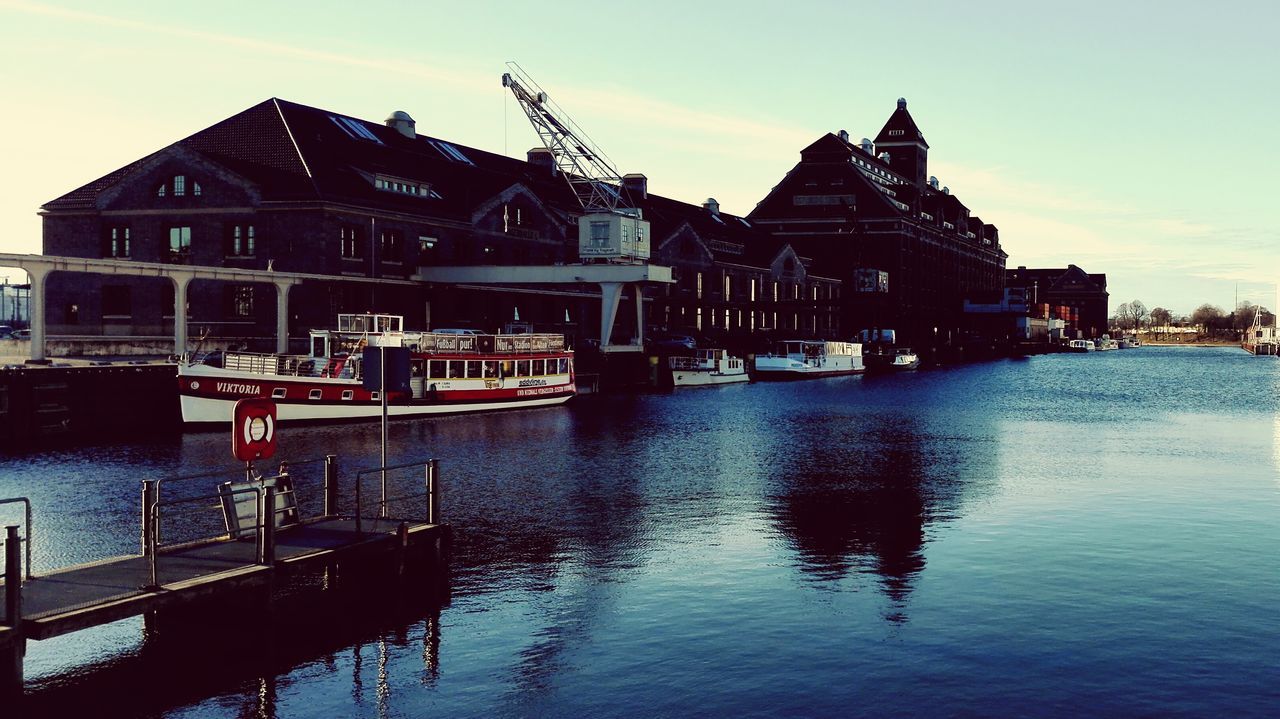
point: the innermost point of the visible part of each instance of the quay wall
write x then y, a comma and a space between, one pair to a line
45, 403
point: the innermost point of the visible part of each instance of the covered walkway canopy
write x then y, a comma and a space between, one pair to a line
39, 267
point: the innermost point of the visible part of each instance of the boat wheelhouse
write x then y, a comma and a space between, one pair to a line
450, 372
805, 359
707, 367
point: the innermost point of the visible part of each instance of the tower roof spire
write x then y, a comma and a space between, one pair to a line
901, 129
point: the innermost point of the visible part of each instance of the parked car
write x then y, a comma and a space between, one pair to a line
22, 335
675, 342
6, 332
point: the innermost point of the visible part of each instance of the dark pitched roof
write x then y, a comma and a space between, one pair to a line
900, 120
295, 152
1055, 277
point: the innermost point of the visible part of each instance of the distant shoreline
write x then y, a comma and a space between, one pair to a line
1204, 343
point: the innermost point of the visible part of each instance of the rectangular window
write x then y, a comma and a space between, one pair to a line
241, 241
775, 291
350, 245
753, 289
698, 287
179, 243
239, 300
457, 369
391, 245
522, 368
539, 368
473, 368
599, 234
726, 285
436, 369
179, 185
116, 242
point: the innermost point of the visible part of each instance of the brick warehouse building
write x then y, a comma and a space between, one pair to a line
1085, 294
907, 250
298, 189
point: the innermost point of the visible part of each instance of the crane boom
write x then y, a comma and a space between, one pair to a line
588, 171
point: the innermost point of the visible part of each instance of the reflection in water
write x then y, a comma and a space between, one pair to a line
861, 501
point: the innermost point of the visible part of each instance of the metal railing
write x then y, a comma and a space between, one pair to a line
264, 549
151, 492
26, 503
431, 490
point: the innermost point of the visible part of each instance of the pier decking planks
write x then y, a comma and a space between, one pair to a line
76, 598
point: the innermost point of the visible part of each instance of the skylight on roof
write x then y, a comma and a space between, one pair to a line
744, 222
451, 152
354, 128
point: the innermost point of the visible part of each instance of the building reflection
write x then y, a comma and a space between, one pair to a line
860, 505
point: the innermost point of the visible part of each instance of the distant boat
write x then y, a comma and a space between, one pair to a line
898, 359
707, 367
1259, 339
1080, 346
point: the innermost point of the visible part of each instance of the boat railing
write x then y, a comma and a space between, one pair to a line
272, 364
688, 363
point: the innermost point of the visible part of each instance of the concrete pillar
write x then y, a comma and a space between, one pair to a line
610, 294
35, 309
180, 282
282, 317
639, 314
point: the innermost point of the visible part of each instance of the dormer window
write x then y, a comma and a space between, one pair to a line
399, 185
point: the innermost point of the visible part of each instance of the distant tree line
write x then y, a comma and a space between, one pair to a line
1208, 321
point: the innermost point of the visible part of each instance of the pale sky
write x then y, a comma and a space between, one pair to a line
1131, 138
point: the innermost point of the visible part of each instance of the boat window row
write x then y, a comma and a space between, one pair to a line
494, 369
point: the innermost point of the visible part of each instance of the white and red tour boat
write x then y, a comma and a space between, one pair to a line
450, 371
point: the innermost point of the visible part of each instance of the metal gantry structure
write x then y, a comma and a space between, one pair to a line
589, 172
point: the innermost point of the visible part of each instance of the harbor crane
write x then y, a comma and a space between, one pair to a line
609, 229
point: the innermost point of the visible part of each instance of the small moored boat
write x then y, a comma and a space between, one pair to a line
707, 367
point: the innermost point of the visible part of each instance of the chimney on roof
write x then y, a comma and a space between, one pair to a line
884, 157
636, 185
867, 147
933, 181
902, 103
402, 123
541, 157
712, 206
946, 190
843, 135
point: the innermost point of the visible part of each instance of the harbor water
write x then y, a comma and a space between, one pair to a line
1056, 536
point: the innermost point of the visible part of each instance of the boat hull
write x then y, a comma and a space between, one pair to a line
207, 395
695, 378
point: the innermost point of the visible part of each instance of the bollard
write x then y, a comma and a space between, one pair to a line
433, 490
12, 577
149, 491
330, 485
268, 526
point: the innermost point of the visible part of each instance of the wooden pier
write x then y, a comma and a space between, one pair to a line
223, 568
